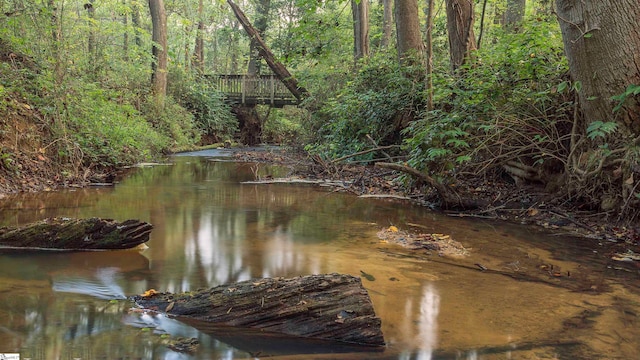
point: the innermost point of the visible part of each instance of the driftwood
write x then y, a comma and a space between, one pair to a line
283, 74
77, 234
332, 307
450, 199
377, 148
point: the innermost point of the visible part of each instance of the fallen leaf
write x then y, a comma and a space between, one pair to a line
393, 228
149, 293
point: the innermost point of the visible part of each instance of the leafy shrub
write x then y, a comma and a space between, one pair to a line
172, 121
506, 94
211, 115
103, 132
372, 103
284, 126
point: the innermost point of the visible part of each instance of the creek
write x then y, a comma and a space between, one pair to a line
210, 229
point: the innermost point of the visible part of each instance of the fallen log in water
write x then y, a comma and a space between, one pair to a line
330, 306
77, 234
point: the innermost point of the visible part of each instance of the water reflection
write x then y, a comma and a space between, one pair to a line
209, 229
103, 284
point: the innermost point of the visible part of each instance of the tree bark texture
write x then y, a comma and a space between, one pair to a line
283, 74
387, 22
408, 37
333, 307
159, 50
602, 43
125, 35
460, 18
514, 14
197, 61
360, 12
91, 39
429, 53
77, 234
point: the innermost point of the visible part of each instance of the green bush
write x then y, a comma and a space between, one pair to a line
172, 121
103, 133
372, 104
212, 116
505, 93
284, 126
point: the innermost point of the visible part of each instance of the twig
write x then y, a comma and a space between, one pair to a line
376, 145
364, 152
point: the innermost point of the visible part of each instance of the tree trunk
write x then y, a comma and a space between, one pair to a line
125, 37
387, 23
159, 38
283, 74
602, 43
360, 12
91, 38
262, 18
410, 47
429, 54
77, 234
137, 24
56, 37
198, 52
514, 14
249, 124
460, 18
332, 307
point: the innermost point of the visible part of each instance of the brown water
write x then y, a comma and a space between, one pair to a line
209, 229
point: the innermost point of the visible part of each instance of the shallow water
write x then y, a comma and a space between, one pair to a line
210, 229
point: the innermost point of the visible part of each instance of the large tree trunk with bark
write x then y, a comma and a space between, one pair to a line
387, 22
77, 234
332, 307
283, 74
602, 44
159, 51
360, 12
460, 19
514, 14
408, 35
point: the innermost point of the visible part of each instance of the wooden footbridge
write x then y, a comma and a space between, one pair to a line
252, 90
276, 90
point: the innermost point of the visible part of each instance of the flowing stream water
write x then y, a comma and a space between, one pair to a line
210, 229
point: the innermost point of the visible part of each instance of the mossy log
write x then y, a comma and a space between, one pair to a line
332, 307
77, 234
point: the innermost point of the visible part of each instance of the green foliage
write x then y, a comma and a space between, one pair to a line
510, 79
284, 126
599, 129
106, 133
212, 116
632, 90
370, 104
172, 121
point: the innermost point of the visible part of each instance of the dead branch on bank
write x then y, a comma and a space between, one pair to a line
450, 199
379, 148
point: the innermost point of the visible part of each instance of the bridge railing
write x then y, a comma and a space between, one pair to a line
263, 89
